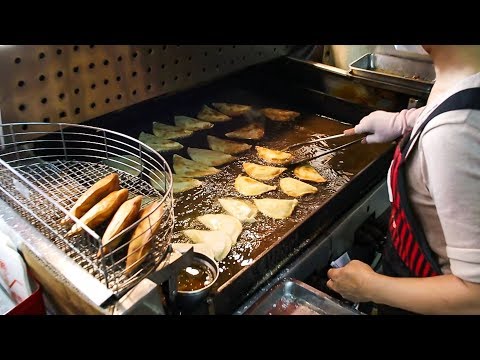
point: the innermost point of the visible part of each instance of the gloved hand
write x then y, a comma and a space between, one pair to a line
380, 125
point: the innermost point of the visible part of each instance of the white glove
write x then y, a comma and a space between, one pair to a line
386, 126
380, 125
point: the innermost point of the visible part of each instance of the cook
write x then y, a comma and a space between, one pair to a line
431, 262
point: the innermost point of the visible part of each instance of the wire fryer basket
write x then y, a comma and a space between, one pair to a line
42, 179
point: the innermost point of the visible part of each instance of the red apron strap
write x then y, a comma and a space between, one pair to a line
407, 235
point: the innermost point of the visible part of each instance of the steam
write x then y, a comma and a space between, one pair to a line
255, 116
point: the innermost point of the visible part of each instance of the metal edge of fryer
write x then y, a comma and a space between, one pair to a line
36, 246
329, 244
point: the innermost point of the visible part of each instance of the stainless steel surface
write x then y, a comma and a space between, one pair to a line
319, 139
341, 56
53, 258
43, 178
75, 83
328, 245
301, 159
407, 72
360, 89
144, 299
293, 297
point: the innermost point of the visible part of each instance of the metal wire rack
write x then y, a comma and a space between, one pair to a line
42, 179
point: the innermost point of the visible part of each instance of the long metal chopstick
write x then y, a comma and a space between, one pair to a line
301, 160
313, 141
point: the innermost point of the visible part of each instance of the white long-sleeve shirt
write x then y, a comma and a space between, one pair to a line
443, 177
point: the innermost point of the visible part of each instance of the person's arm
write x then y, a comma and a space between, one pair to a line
384, 126
451, 172
444, 294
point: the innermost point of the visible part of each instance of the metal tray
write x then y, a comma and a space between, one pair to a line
293, 297
416, 74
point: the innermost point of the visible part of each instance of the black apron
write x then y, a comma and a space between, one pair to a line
406, 251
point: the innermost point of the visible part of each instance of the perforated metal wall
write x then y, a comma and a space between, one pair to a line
75, 83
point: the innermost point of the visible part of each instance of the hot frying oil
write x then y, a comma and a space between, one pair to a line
194, 277
337, 168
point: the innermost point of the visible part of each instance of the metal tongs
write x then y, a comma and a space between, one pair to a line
308, 158
320, 139
299, 160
